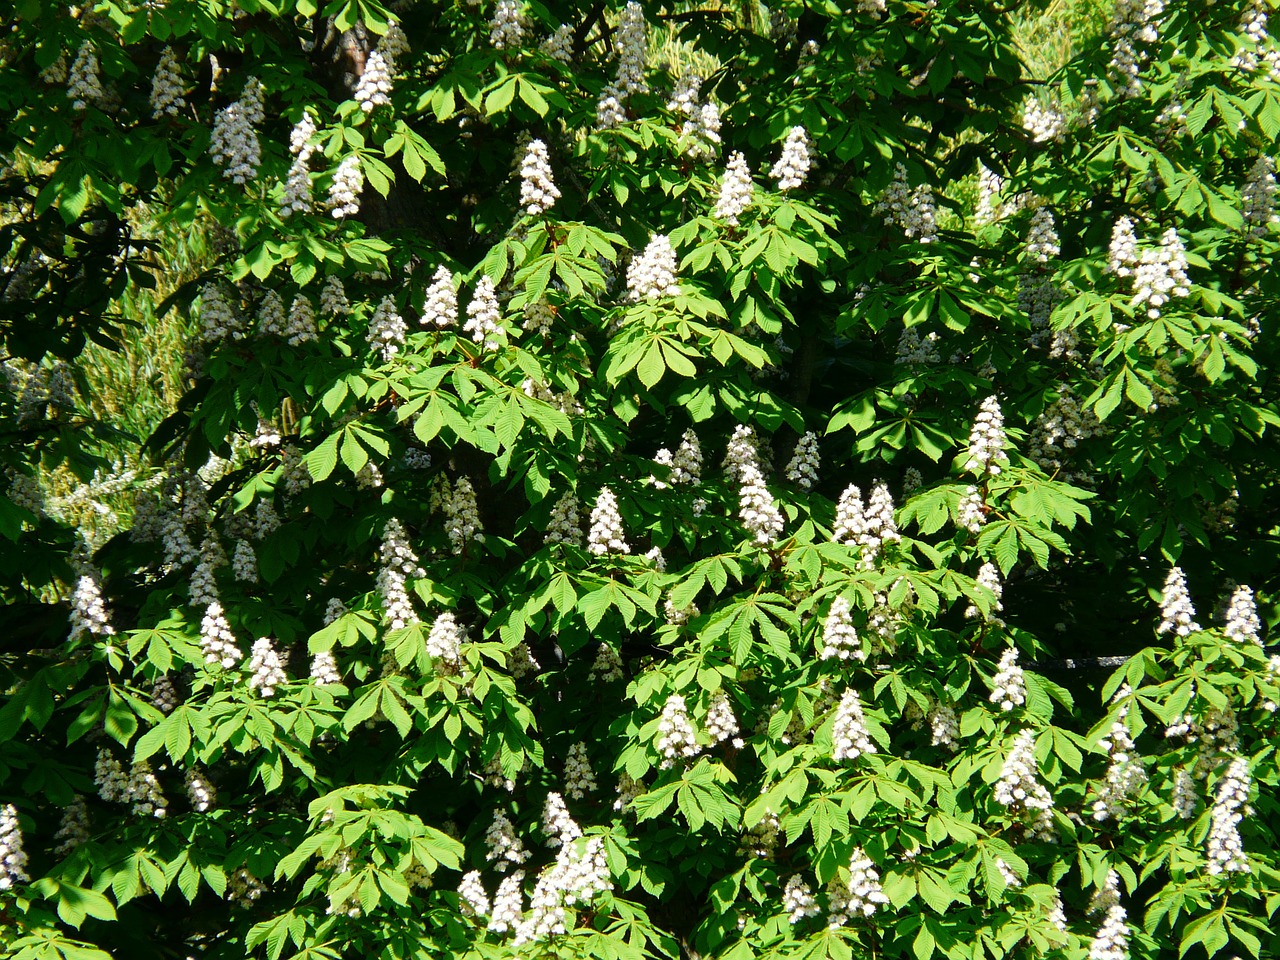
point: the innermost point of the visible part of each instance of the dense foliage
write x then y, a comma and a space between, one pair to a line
504, 582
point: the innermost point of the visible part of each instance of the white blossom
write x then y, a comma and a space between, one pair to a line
538, 191
987, 440
1224, 848
969, 512
632, 47
1258, 197
1242, 617
268, 671
88, 610
73, 829
913, 209
374, 87
324, 669
472, 894
333, 298
802, 469
565, 523
1008, 686
164, 694
1177, 613
399, 562
676, 736
483, 315
200, 792
1122, 254
244, 889
218, 319
462, 516
1134, 23
85, 84
301, 326
444, 641
142, 789
798, 899
850, 738
234, 143
1111, 942
735, 190
1019, 788
559, 827
506, 28
989, 577
720, 723
346, 187
109, 777
579, 873
167, 88
508, 904
1126, 774
270, 315
579, 778
244, 563
559, 45
606, 534
944, 726
505, 848
1044, 123
793, 164
686, 463
839, 638
756, 507
652, 275
1161, 273
441, 307
851, 518
1042, 236
1183, 794
387, 330
607, 665
13, 858
216, 638
862, 895
521, 662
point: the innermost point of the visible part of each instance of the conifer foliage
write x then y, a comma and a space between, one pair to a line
406, 643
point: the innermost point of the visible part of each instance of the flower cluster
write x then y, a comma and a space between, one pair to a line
721, 724
444, 641
850, 738
374, 86
606, 534
85, 83
700, 131
73, 828
1111, 942
1044, 123
1161, 273
632, 46
867, 525
913, 209
798, 899
167, 89
324, 669
1133, 23
483, 314
1008, 686
676, 736
441, 307
862, 895
538, 191
565, 523
802, 468
1258, 197
200, 792
989, 577
1018, 786
216, 638
505, 848
1224, 849
234, 143
300, 328
346, 187
462, 516
839, 638
559, 827
88, 611
506, 29
969, 512
579, 778
399, 562
652, 275
1126, 774
793, 165
1242, 617
1042, 237
1177, 613
756, 507
268, 671
735, 190
607, 665
297, 187
13, 859
987, 440
579, 873
1122, 254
